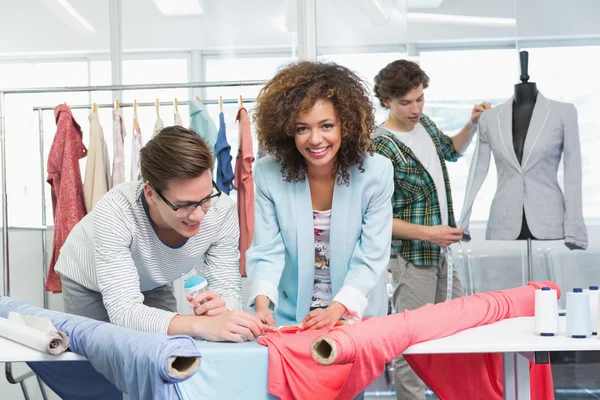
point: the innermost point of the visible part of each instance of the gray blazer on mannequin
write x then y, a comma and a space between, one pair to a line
553, 132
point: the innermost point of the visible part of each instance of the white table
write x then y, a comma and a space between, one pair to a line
516, 340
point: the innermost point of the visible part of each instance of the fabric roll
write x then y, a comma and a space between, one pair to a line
341, 363
35, 332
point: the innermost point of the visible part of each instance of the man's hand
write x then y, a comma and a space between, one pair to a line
324, 318
207, 303
232, 326
477, 110
443, 235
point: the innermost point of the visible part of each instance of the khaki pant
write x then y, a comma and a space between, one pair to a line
415, 286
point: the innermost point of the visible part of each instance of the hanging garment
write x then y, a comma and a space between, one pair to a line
202, 124
223, 157
136, 145
64, 177
533, 186
360, 351
118, 170
244, 184
143, 365
97, 168
158, 126
177, 119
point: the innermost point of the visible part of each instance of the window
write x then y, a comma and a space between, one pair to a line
458, 80
548, 67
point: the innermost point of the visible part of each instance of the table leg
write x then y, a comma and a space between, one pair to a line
516, 376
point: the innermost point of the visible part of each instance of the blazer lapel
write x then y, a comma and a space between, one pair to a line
306, 247
505, 126
338, 263
541, 111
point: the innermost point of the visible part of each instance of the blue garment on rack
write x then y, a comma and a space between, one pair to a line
136, 363
223, 156
202, 124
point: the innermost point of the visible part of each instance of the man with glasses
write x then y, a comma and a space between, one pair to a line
119, 262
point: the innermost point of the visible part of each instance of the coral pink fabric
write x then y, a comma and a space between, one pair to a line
365, 347
244, 184
64, 177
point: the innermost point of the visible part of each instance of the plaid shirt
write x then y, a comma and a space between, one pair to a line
415, 197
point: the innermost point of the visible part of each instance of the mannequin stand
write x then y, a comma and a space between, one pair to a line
529, 261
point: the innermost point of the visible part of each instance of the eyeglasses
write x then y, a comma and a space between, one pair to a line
187, 209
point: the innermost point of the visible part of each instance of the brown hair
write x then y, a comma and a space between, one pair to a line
292, 92
174, 153
397, 79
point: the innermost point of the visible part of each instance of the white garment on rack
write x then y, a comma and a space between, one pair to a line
158, 126
97, 170
118, 171
178, 120
136, 145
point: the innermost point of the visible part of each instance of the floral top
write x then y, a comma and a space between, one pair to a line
321, 295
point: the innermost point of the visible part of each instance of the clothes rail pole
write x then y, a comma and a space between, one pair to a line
155, 86
126, 105
4, 92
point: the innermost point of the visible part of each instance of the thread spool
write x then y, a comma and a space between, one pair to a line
593, 293
546, 312
579, 325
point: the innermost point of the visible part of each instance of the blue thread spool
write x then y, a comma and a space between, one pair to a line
194, 285
546, 312
579, 324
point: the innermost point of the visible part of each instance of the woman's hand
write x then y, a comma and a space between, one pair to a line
261, 304
207, 303
324, 318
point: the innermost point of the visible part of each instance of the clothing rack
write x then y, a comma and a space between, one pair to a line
40, 109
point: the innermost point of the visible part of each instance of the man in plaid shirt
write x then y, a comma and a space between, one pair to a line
423, 214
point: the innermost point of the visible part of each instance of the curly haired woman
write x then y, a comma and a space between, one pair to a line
321, 194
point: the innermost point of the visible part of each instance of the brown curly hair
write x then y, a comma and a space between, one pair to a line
292, 92
397, 79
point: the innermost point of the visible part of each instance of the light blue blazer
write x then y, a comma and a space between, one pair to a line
281, 260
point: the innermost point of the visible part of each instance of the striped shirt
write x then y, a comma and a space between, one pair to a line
115, 250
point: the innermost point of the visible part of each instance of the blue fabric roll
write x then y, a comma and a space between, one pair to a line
133, 362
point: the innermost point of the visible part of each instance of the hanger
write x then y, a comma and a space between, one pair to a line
157, 108
198, 98
116, 104
135, 106
95, 108
220, 103
176, 105
241, 101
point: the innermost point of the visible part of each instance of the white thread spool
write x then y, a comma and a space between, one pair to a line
579, 325
593, 293
546, 312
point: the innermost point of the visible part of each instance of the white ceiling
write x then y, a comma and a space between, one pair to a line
28, 26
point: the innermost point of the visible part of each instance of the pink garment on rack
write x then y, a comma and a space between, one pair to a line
364, 348
64, 177
244, 184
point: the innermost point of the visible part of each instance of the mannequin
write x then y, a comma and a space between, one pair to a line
523, 104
